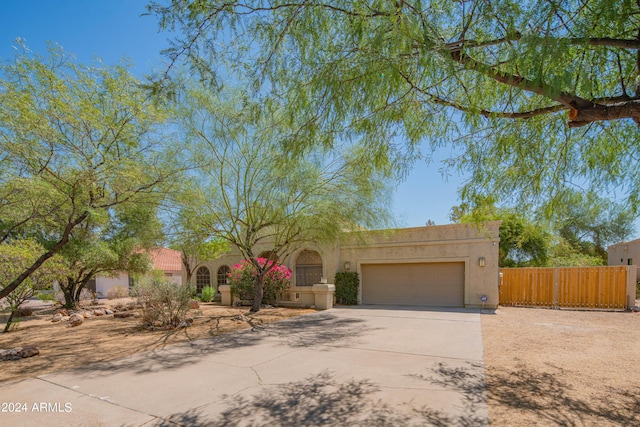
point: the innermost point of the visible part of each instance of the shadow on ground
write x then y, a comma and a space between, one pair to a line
545, 399
323, 400
310, 330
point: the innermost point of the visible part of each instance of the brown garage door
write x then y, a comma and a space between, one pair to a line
431, 284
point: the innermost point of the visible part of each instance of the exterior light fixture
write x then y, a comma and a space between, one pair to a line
347, 265
481, 261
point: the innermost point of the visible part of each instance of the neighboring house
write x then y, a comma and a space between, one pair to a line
624, 253
163, 259
439, 266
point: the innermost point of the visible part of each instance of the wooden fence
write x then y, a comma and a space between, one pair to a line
609, 287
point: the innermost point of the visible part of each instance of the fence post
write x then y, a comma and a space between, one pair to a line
555, 288
632, 272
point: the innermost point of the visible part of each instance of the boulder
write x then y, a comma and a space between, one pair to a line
108, 311
28, 351
76, 320
56, 317
62, 311
19, 353
99, 312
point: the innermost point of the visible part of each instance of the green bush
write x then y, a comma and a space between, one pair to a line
164, 304
347, 284
207, 294
46, 296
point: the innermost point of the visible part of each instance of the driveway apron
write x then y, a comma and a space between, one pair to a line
356, 366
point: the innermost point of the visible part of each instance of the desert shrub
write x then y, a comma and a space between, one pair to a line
23, 312
163, 303
118, 292
207, 293
242, 278
347, 284
87, 295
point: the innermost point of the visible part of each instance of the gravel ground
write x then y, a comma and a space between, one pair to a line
562, 368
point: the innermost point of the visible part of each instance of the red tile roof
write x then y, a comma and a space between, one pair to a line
166, 259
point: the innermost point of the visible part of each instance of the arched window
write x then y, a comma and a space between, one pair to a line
223, 275
308, 268
203, 278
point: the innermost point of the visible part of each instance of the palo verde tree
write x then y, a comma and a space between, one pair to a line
76, 142
536, 95
252, 195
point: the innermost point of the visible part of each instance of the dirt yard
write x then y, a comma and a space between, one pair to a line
105, 338
562, 368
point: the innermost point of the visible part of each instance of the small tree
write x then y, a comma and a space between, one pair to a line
242, 279
251, 194
16, 256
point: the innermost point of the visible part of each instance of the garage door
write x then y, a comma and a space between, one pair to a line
431, 284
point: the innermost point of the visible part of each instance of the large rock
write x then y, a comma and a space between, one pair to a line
63, 312
28, 351
19, 353
56, 317
76, 319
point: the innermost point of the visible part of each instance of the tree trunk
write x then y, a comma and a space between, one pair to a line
8, 325
51, 252
258, 292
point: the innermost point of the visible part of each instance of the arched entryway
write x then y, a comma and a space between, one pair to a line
203, 278
308, 268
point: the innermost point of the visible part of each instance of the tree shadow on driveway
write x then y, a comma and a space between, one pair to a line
324, 400
315, 329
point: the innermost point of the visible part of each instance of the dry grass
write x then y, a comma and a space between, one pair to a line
104, 338
562, 368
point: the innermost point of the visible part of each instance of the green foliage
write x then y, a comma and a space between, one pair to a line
45, 296
523, 242
207, 293
164, 304
251, 192
14, 258
347, 284
507, 83
79, 145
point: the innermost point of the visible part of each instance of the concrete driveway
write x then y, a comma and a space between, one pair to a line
368, 365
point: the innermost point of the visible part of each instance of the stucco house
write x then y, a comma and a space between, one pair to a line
163, 259
438, 266
625, 253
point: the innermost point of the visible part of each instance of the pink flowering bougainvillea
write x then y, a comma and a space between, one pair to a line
242, 279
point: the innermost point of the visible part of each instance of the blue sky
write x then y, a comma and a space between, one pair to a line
114, 29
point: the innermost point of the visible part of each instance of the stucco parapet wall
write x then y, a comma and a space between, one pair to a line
421, 236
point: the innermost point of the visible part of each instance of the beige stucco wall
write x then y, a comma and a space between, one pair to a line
447, 243
625, 253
